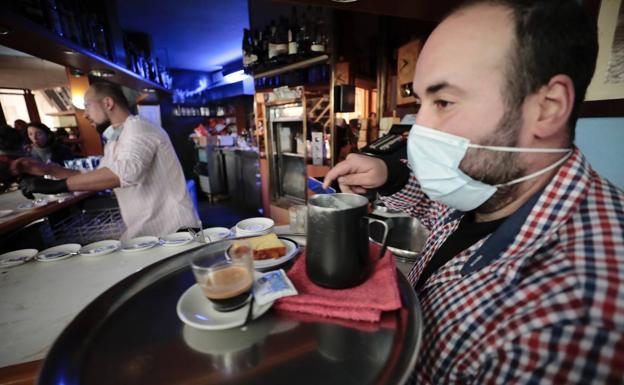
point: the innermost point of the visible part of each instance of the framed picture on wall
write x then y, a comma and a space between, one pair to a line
605, 94
608, 80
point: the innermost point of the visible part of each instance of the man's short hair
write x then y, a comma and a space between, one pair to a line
113, 91
551, 37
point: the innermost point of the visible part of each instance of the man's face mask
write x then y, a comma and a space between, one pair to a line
434, 157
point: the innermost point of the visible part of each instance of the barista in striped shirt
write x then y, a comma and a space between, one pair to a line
139, 163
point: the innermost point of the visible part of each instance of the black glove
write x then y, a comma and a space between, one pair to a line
42, 185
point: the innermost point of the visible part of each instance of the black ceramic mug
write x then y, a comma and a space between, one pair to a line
337, 240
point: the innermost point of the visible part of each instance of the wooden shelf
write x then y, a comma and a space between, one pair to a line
33, 39
292, 67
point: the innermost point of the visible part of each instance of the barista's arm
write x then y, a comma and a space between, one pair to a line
100, 179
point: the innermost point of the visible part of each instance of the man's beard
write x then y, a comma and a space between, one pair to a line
497, 167
102, 126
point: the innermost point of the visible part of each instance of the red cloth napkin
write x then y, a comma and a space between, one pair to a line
365, 302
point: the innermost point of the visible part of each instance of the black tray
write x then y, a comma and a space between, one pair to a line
131, 334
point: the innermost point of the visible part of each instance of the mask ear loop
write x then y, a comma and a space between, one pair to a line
519, 149
537, 173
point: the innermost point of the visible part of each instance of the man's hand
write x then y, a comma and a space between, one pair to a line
42, 185
358, 173
29, 166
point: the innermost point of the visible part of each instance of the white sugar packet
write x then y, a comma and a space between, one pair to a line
272, 285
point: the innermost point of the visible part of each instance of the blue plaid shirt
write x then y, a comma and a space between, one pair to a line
540, 300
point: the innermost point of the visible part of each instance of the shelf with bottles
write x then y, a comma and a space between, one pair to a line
28, 32
291, 43
227, 113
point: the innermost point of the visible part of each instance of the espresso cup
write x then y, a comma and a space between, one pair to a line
337, 254
226, 279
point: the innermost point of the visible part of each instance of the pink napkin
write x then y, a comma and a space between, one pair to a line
365, 302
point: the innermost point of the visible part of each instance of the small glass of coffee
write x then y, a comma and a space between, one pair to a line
226, 279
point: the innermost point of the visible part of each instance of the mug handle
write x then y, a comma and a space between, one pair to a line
387, 224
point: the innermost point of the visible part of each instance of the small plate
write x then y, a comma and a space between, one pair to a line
57, 253
4, 213
25, 206
254, 226
176, 239
292, 248
17, 257
195, 310
139, 243
100, 248
214, 234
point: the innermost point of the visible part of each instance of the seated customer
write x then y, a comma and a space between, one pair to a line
10, 149
44, 146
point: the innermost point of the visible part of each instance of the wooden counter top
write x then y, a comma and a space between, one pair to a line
20, 218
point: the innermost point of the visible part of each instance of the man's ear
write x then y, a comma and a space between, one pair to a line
108, 103
556, 100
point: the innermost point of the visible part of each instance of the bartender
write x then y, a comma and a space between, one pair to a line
139, 163
522, 278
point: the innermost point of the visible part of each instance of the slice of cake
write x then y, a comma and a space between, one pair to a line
267, 247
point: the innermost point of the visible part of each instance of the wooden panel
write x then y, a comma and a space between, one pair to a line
280, 215
20, 374
406, 65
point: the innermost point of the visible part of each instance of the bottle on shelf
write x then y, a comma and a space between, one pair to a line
293, 49
250, 58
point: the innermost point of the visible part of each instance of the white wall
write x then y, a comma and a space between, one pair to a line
602, 142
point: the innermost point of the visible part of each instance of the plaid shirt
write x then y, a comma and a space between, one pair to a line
540, 300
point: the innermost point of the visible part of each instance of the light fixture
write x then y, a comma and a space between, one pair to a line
69, 52
102, 73
149, 90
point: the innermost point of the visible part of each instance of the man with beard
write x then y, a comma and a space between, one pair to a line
522, 277
139, 163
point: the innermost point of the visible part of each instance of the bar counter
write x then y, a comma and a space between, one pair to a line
20, 218
39, 299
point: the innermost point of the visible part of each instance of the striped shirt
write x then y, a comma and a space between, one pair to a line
539, 301
152, 196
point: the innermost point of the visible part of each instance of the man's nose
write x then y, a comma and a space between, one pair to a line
426, 117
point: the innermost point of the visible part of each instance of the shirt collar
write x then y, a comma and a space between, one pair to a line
112, 133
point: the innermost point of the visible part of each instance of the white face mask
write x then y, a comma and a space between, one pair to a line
434, 157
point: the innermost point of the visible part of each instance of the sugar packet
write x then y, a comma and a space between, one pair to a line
272, 285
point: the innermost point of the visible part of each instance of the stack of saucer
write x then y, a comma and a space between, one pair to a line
254, 226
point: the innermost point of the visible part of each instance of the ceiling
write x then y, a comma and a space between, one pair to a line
199, 35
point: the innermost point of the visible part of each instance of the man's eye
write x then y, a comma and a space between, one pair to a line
442, 103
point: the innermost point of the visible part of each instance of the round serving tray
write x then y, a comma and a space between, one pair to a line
131, 335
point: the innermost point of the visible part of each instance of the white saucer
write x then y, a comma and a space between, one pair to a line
195, 310
4, 213
139, 243
17, 257
25, 206
176, 239
292, 248
254, 226
214, 234
100, 248
57, 253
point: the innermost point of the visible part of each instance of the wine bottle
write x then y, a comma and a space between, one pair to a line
292, 33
